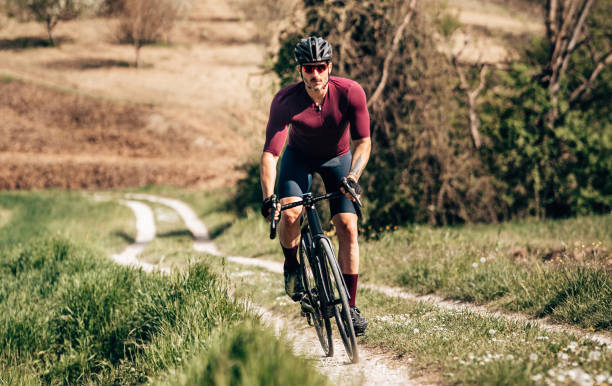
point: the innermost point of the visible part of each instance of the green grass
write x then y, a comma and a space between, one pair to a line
75, 215
464, 347
237, 358
6, 79
501, 265
73, 316
69, 315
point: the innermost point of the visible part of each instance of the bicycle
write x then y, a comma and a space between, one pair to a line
325, 294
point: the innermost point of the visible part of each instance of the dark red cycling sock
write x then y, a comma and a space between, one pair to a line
351, 286
291, 261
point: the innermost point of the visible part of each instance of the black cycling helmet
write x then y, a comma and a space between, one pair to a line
313, 49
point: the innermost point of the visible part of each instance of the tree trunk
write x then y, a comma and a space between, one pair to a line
50, 26
137, 62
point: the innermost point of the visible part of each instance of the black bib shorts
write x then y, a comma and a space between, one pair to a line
295, 177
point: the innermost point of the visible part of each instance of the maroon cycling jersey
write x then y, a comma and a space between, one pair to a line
323, 132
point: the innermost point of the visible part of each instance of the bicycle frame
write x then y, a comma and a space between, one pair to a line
330, 297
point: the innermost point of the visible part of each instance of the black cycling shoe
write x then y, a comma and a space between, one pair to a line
359, 322
293, 284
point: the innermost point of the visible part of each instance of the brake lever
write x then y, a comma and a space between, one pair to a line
273, 222
357, 203
351, 191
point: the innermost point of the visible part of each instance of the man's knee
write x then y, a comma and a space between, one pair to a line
291, 216
346, 224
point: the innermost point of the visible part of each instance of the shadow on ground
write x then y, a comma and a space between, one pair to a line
181, 233
88, 64
129, 239
27, 42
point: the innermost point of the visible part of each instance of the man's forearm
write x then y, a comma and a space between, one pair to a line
360, 157
268, 173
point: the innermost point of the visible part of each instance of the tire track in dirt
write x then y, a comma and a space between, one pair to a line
371, 369
145, 233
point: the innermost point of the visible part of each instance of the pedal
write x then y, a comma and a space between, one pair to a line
306, 307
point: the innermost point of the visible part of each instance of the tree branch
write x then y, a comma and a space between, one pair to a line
599, 67
391, 54
473, 120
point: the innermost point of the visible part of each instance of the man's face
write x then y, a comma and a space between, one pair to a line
316, 75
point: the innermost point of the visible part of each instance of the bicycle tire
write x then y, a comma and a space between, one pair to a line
310, 273
338, 291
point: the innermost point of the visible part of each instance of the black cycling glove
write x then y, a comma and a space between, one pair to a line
267, 204
353, 185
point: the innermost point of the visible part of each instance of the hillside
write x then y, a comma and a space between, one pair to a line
80, 116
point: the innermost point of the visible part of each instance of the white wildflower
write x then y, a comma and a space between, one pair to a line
483, 260
601, 378
573, 346
594, 356
475, 265
533, 357
492, 332
416, 331
563, 356
537, 377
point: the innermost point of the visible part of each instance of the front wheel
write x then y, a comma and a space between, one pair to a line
314, 293
339, 298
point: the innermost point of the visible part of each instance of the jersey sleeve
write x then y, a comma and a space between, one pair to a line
278, 126
359, 117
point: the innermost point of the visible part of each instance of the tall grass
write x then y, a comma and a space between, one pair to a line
68, 315
76, 317
237, 358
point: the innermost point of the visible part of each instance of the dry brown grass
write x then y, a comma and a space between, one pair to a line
81, 117
64, 140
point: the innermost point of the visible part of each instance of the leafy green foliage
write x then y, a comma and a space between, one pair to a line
423, 166
555, 173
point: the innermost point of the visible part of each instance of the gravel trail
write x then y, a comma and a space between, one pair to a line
372, 368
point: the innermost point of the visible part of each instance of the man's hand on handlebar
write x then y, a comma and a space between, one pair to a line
352, 184
267, 205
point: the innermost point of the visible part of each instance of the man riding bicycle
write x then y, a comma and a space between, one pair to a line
325, 113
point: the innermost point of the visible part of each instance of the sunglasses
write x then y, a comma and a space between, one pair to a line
309, 68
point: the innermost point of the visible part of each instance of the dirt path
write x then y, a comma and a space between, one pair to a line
372, 368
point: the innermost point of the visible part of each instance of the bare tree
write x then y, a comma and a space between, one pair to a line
471, 94
567, 29
51, 12
145, 21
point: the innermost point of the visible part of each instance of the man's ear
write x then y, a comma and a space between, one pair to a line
297, 68
330, 67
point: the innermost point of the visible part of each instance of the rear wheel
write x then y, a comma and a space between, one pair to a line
314, 296
339, 298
